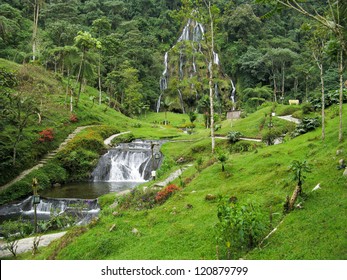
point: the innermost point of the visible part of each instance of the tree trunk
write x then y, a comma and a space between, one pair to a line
35, 28
283, 67
99, 76
80, 79
211, 80
341, 94
323, 100
295, 195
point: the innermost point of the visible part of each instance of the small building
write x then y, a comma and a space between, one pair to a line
232, 115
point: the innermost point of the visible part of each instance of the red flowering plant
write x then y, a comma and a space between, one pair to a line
165, 193
73, 118
46, 135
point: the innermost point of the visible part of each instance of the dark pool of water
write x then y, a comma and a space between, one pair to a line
87, 190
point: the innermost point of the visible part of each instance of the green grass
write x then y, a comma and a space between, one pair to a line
255, 123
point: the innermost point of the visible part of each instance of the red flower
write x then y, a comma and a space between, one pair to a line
166, 192
46, 135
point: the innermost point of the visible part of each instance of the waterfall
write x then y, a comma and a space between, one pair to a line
128, 162
193, 32
158, 102
181, 101
232, 97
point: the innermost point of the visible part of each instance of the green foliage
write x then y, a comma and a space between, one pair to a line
125, 138
14, 230
78, 162
138, 199
245, 146
166, 166
192, 116
307, 124
270, 135
240, 228
299, 169
222, 157
234, 136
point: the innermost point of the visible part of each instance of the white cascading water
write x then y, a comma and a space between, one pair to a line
129, 166
131, 162
193, 31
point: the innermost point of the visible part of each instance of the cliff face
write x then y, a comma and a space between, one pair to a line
185, 75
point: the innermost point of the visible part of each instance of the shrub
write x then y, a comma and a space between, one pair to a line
239, 229
307, 108
46, 135
138, 199
245, 146
234, 136
165, 193
306, 125
270, 135
125, 138
79, 163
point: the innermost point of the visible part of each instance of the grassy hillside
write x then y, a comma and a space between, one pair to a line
184, 227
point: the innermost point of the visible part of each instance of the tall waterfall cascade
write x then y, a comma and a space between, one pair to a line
128, 162
188, 67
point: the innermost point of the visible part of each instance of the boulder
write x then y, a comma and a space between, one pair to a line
210, 197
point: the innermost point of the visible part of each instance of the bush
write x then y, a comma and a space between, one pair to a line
46, 135
240, 228
269, 136
78, 163
138, 199
244, 146
285, 110
55, 173
234, 136
307, 108
165, 193
124, 138
306, 125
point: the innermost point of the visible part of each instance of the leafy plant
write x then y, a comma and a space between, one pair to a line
234, 136
222, 157
240, 227
306, 125
298, 170
270, 135
165, 193
46, 135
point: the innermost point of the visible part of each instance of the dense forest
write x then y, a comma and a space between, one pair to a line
119, 47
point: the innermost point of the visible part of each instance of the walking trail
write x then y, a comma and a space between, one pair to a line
290, 119
26, 244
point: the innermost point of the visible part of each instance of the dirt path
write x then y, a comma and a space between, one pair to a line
26, 244
290, 119
45, 158
172, 176
109, 139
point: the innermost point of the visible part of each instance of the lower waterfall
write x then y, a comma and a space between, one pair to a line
128, 162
